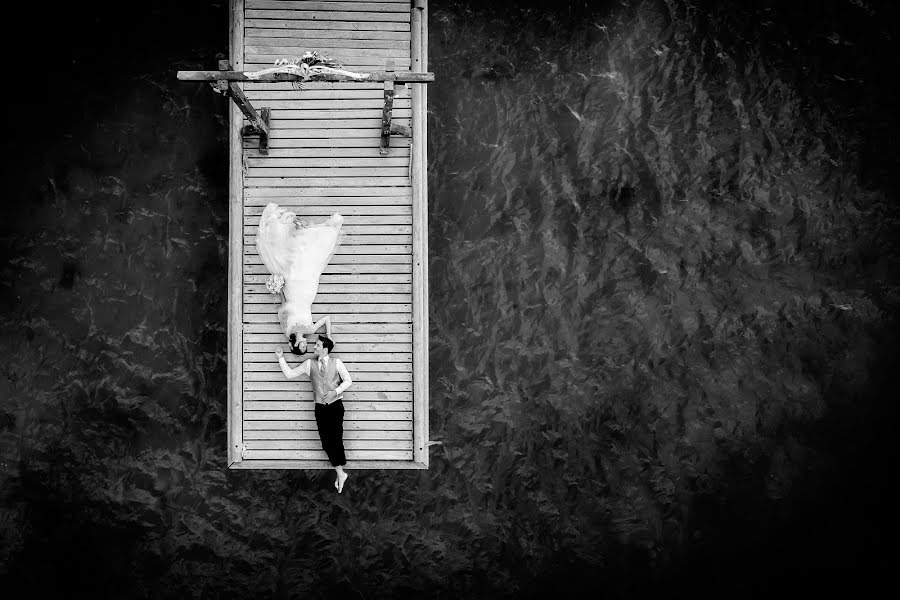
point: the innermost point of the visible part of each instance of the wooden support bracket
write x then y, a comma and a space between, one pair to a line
259, 122
387, 127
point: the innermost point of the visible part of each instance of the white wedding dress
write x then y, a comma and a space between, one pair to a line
293, 248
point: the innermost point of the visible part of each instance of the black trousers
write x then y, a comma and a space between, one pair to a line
330, 421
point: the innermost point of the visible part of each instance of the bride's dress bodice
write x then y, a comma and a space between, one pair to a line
298, 251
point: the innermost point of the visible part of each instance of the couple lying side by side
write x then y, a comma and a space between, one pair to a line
295, 253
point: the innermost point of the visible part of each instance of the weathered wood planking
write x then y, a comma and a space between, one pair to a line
324, 158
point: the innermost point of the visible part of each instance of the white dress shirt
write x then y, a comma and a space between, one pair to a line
304, 368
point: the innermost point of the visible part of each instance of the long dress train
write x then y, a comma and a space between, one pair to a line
293, 248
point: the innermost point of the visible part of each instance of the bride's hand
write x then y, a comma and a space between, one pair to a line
279, 353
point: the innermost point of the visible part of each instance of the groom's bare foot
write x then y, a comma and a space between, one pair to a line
339, 482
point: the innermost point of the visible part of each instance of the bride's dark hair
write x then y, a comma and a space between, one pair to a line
295, 347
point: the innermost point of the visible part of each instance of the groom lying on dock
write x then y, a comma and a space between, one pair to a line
329, 379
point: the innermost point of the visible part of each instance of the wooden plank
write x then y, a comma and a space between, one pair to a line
332, 153
346, 332
381, 6
352, 455
345, 279
301, 105
264, 355
359, 234
338, 115
396, 7
349, 444
310, 86
362, 195
323, 142
381, 201
283, 25
346, 248
359, 223
309, 93
309, 424
275, 380
333, 308
347, 298
388, 388
349, 415
325, 125
350, 60
354, 269
358, 220
343, 337
353, 241
349, 259
340, 52
266, 368
306, 434
387, 292
376, 351
235, 179
330, 162
359, 130
254, 173
302, 401
386, 348
354, 464
364, 19
313, 40
388, 182
264, 34
419, 48
339, 321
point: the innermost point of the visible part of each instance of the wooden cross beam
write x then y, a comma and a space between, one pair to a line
372, 77
225, 81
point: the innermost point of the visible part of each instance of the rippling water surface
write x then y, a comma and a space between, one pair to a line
663, 291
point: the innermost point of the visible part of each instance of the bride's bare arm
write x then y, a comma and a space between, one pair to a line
324, 322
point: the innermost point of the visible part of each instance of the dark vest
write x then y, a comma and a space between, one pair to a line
324, 383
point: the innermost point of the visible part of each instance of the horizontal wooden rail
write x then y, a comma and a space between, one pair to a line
373, 77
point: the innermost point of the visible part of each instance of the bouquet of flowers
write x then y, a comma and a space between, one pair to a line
275, 283
310, 59
307, 66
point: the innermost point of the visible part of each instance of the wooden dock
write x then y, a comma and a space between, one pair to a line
323, 157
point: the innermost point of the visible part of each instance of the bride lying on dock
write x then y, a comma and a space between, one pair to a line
296, 252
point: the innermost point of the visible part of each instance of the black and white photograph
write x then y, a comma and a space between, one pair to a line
447, 299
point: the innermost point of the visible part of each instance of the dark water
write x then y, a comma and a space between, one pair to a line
663, 277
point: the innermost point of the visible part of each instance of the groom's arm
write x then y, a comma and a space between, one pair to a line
290, 373
346, 381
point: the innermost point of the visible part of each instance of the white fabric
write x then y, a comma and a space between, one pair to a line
299, 252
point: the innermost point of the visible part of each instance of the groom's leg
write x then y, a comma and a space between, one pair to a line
338, 435
328, 420
323, 424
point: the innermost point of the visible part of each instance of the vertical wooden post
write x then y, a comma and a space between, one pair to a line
419, 37
387, 111
235, 248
